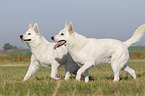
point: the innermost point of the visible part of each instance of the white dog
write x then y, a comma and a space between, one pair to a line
90, 51
43, 54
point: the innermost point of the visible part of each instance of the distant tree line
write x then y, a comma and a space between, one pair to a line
8, 46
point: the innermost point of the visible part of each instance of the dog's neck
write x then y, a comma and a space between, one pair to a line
75, 42
36, 45
75, 45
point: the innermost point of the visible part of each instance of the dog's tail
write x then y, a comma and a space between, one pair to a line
136, 36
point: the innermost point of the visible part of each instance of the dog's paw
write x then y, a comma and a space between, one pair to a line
86, 79
78, 78
66, 78
23, 81
115, 80
55, 78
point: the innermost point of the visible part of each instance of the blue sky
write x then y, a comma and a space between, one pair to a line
116, 19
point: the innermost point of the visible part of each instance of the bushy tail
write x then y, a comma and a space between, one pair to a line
136, 36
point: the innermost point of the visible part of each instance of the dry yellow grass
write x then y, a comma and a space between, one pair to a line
6, 65
26, 58
19, 58
137, 55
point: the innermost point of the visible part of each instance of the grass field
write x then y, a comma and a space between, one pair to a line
137, 48
28, 52
100, 84
19, 52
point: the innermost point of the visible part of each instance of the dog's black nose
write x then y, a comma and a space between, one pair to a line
21, 36
52, 37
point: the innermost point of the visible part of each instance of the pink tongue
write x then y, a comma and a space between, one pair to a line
59, 43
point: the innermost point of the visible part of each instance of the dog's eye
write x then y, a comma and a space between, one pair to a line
61, 34
29, 33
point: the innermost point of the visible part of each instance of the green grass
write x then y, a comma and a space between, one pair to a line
100, 84
137, 48
28, 52
19, 52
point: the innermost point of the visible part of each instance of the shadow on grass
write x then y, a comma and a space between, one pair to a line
92, 78
121, 78
140, 74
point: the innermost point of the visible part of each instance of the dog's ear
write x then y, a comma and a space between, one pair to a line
30, 26
65, 24
70, 28
35, 28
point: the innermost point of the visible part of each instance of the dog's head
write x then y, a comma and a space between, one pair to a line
64, 35
31, 34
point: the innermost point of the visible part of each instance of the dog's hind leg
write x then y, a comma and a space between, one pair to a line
34, 67
118, 61
116, 70
130, 71
117, 65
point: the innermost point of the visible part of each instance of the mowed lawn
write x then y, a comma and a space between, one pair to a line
100, 84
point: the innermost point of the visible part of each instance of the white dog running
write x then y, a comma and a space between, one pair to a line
90, 51
43, 54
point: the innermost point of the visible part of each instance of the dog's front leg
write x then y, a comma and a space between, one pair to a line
84, 68
34, 66
54, 70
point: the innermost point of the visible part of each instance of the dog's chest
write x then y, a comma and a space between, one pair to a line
42, 57
77, 57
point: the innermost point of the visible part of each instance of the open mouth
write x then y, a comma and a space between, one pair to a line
59, 43
27, 40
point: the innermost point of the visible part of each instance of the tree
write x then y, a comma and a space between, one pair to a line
8, 46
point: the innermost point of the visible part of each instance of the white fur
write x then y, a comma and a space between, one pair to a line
43, 54
91, 52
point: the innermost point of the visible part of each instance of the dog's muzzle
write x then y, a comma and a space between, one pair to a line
25, 40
